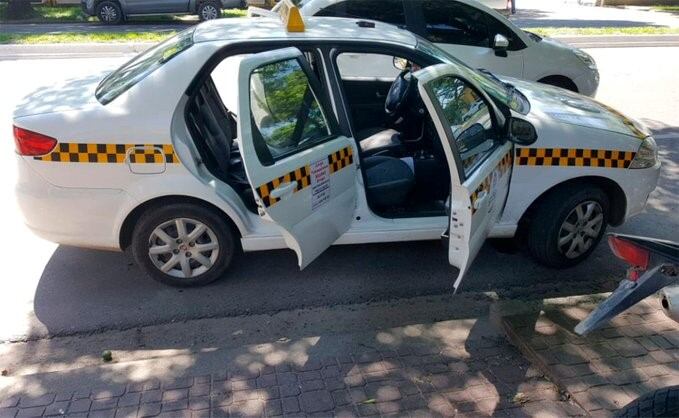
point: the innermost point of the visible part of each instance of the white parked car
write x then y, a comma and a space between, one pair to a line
477, 35
238, 133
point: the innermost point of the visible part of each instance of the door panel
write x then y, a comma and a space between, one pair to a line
480, 57
480, 162
302, 173
156, 6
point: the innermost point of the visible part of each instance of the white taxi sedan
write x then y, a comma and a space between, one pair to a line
241, 133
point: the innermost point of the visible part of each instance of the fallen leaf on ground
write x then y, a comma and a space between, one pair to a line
520, 398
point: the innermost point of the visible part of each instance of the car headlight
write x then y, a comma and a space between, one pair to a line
647, 156
585, 58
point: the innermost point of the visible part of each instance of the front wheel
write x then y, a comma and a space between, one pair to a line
183, 244
209, 10
567, 225
109, 12
661, 403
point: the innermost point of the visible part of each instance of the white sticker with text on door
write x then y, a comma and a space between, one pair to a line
320, 183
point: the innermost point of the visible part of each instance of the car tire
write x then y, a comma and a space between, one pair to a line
567, 225
198, 255
109, 13
663, 402
209, 10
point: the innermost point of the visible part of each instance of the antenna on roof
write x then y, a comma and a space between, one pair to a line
365, 24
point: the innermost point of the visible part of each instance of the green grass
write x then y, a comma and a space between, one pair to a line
234, 13
61, 38
69, 14
666, 8
51, 14
634, 30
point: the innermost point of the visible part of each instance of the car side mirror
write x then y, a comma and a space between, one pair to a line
522, 132
401, 64
500, 45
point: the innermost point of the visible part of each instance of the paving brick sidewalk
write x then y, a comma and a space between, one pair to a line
637, 353
468, 369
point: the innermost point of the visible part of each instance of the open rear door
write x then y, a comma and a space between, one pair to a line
301, 170
480, 160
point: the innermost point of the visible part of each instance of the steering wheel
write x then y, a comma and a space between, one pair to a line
398, 94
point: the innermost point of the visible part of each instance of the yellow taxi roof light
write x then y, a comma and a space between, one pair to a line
291, 17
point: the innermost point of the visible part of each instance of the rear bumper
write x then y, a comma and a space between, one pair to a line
71, 216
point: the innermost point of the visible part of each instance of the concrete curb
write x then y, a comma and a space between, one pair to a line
86, 50
71, 50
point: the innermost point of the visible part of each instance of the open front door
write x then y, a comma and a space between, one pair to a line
480, 160
301, 170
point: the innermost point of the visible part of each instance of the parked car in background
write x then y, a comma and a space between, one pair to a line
116, 11
477, 35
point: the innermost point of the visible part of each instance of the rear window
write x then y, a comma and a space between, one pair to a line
142, 65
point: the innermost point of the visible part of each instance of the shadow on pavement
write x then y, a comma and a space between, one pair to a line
112, 293
453, 366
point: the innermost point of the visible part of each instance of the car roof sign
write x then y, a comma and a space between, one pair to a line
291, 17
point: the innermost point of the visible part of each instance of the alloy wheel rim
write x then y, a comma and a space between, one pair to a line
108, 13
209, 12
581, 228
183, 248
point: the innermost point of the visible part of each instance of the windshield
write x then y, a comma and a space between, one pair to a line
504, 92
142, 65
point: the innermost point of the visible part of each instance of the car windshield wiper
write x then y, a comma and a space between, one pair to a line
489, 74
510, 87
494, 77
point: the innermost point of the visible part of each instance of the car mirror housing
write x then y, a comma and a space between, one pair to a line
522, 132
500, 45
401, 64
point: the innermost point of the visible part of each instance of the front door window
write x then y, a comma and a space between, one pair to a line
468, 118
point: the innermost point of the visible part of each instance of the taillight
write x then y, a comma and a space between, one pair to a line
629, 252
32, 143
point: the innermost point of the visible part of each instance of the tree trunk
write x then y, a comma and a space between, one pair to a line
19, 9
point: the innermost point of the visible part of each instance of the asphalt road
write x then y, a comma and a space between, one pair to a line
55, 290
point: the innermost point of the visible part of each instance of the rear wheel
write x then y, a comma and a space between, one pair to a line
209, 10
567, 225
661, 403
109, 12
183, 244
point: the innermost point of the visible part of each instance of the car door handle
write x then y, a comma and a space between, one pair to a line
284, 189
380, 95
480, 198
